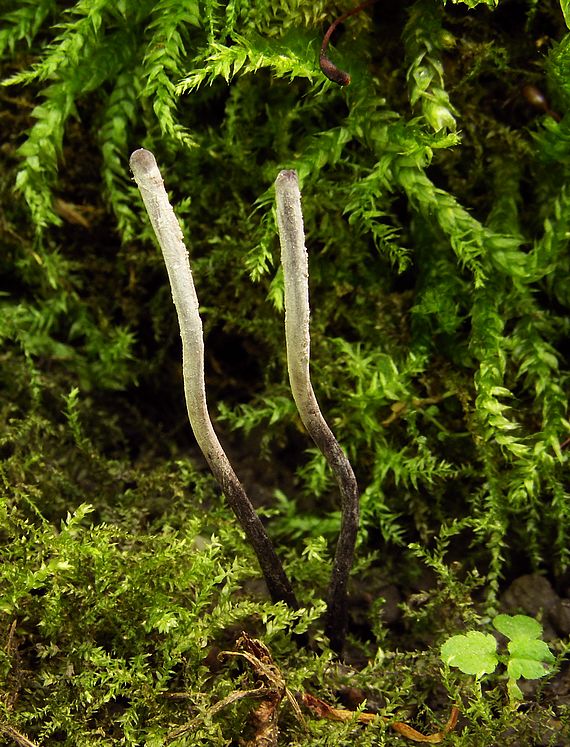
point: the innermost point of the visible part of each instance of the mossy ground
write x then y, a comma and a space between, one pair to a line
437, 217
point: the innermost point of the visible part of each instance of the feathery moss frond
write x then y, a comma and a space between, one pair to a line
488, 346
291, 58
403, 153
23, 23
549, 258
368, 219
425, 40
76, 40
41, 151
538, 365
163, 59
119, 116
43, 148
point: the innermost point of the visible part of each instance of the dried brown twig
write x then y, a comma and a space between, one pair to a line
323, 710
272, 691
16, 736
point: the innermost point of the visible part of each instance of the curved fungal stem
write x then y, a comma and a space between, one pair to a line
329, 69
169, 235
296, 273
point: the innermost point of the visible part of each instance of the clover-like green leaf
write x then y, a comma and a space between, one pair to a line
518, 627
472, 653
529, 659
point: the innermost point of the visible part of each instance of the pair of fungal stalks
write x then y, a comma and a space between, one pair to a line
295, 269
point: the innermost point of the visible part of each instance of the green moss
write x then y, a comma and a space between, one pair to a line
436, 209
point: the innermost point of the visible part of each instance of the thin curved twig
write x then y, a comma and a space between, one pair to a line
19, 738
169, 235
296, 273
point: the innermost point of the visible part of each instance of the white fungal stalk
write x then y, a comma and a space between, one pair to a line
296, 274
169, 235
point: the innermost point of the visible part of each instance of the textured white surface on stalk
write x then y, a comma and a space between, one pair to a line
171, 240
296, 275
297, 314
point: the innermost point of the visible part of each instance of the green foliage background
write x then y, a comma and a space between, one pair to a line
437, 216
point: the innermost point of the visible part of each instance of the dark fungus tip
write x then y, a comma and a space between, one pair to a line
142, 160
332, 72
534, 96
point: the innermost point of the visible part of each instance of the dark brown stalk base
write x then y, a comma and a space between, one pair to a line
337, 612
278, 584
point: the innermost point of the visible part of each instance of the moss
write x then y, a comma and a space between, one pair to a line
436, 213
